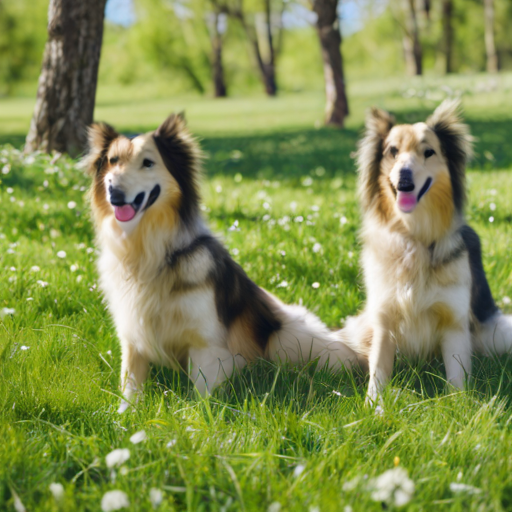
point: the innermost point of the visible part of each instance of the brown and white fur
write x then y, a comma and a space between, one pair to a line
176, 296
425, 283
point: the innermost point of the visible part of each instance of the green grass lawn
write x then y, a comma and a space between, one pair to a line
271, 438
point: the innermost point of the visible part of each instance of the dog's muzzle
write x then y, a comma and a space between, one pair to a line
405, 182
124, 211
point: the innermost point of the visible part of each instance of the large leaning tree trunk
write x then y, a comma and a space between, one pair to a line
69, 75
327, 27
411, 40
448, 35
490, 47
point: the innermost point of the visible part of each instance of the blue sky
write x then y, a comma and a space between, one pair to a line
121, 12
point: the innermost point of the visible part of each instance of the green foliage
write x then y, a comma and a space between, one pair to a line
22, 39
292, 436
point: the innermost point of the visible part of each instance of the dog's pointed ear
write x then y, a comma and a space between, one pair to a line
456, 143
182, 156
99, 137
378, 122
378, 125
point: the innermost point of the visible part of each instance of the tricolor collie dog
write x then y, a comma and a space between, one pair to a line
176, 296
425, 283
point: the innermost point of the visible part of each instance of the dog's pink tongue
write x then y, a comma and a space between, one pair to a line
124, 213
406, 201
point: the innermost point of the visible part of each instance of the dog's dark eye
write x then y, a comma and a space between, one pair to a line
394, 151
429, 152
114, 160
147, 163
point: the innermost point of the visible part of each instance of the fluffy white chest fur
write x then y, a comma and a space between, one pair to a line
404, 285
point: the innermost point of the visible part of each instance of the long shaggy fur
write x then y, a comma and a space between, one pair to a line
176, 296
425, 282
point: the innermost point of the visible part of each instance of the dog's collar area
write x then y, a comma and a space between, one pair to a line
153, 196
425, 188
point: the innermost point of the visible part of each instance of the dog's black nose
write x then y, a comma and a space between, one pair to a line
405, 182
116, 196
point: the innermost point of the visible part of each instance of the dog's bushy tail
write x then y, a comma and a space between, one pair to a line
494, 336
303, 337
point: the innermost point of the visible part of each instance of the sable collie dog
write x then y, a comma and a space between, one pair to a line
176, 296
425, 283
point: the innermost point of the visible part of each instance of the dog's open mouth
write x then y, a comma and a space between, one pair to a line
127, 211
407, 201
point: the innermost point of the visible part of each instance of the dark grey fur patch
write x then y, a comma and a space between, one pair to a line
235, 293
482, 302
180, 156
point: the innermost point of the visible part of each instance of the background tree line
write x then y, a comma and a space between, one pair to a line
224, 47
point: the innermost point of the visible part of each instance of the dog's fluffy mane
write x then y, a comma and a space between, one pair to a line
456, 143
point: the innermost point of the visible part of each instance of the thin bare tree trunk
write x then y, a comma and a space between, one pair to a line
411, 41
327, 27
448, 34
220, 89
67, 83
490, 48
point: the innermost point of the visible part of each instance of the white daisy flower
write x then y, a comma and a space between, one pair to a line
114, 500
117, 457
156, 496
71, 205
316, 285
299, 469
138, 437
393, 486
57, 490
61, 254
35, 268
317, 247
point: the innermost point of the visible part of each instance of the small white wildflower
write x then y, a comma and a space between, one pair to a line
459, 488
71, 205
73, 268
21, 204
114, 500
57, 490
300, 218
171, 443
350, 485
293, 206
347, 508
9, 190
61, 254
79, 278
336, 392
317, 247
13, 269
117, 457
89, 250
491, 219
506, 300
35, 268
282, 284
316, 285
315, 208
298, 470
6, 169
138, 437
29, 299
492, 206
314, 509
44, 284
274, 507
235, 252
24, 347
343, 220
45, 183
350, 254
218, 189
307, 182
12, 199
156, 496
393, 486
46, 206
459, 476
7, 311
266, 205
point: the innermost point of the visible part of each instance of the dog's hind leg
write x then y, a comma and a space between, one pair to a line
211, 366
134, 371
494, 336
456, 350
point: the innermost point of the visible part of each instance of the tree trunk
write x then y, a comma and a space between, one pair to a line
217, 27
327, 27
490, 48
448, 34
411, 41
69, 75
